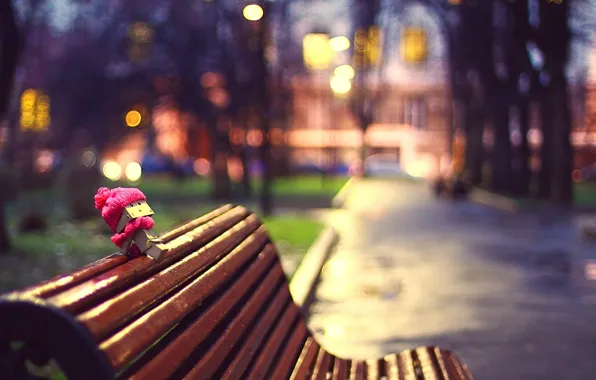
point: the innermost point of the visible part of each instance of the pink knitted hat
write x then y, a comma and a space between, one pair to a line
111, 203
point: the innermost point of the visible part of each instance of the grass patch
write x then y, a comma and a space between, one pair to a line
68, 245
585, 193
297, 233
305, 185
161, 186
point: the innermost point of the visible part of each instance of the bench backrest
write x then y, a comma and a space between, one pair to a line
216, 305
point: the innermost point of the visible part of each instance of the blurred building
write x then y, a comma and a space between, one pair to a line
410, 116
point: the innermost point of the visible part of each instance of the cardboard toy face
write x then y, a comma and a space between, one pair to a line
132, 211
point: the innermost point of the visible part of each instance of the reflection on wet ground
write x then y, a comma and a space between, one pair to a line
513, 294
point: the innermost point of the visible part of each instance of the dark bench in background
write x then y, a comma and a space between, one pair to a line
215, 306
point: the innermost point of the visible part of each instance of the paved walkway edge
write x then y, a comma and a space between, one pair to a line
493, 200
339, 200
306, 277
590, 230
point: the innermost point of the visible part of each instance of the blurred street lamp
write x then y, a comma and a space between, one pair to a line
344, 71
340, 43
340, 85
112, 171
133, 118
252, 12
133, 171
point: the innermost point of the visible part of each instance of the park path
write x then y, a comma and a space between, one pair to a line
510, 293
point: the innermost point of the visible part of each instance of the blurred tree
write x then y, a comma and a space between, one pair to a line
502, 55
367, 36
13, 38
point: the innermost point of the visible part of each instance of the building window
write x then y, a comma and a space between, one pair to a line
414, 47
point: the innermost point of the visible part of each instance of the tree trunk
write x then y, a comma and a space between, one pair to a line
522, 172
501, 155
562, 185
245, 158
363, 152
222, 186
9, 54
546, 149
4, 236
265, 155
474, 154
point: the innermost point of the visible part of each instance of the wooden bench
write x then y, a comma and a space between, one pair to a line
215, 306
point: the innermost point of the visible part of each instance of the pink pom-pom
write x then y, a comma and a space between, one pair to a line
103, 193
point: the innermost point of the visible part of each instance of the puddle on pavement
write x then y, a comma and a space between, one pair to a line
560, 272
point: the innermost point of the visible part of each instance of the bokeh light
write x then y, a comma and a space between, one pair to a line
202, 167
340, 85
88, 158
112, 171
252, 12
133, 171
344, 71
133, 118
235, 169
44, 161
340, 43
254, 138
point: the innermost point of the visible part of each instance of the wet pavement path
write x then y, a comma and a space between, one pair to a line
510, 293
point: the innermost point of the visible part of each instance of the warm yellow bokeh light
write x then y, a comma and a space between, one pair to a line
414, 47
340, 85
133, 118
344, 71
133, 171
340, 43
316, 51
252, 12
112, 171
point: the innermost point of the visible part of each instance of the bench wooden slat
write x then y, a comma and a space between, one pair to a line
322, 365
105, 318
358, 370
91, 292
172, 356
290, 352
407, 366
341, 369
211, 360
455, 369
436, 357
125, 345
374, 368
428, 363
179, 231
63, 282
392, 365
306, 360
247, 352
270, 350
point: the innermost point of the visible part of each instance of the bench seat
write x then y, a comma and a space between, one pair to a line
215, 306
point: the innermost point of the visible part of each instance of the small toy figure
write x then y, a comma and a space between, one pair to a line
127, 213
